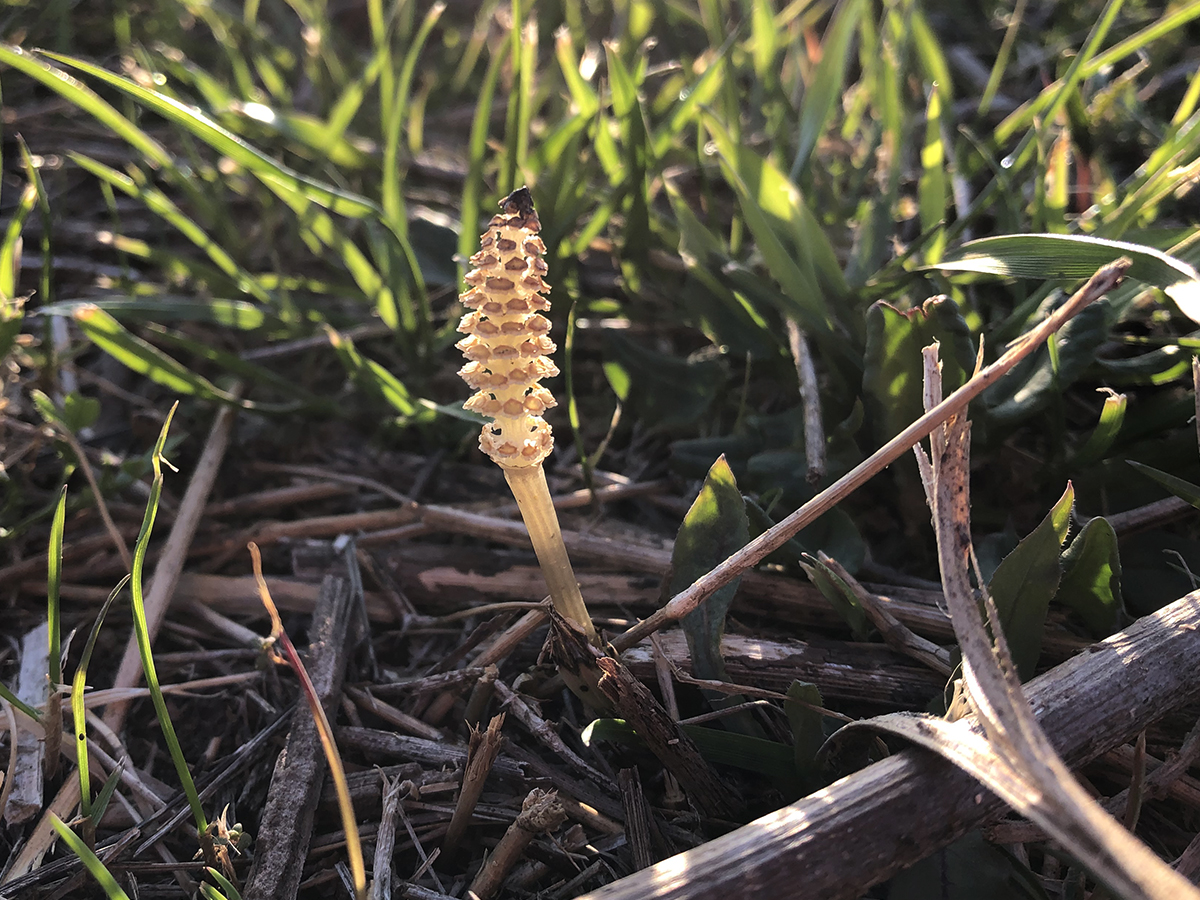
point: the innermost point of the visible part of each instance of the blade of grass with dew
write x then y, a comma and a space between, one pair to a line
336, 771
53, 718
89, 859
1050, 256
271, 172
1061, 91
83, 97
79, 715
827, 82
163, 207
142, 632
1167, 24
687, 111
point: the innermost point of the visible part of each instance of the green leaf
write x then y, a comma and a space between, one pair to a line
1091, 582
714, 528
1184, 490
968, 869
1026, 580
1070, 256
751, 754
808, 732
839, 595
893, 367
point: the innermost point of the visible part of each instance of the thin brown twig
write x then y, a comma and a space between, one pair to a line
766, 543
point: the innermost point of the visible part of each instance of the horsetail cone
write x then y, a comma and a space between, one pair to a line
508, 350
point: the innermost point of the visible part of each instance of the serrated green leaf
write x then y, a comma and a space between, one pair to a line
893, 367
1068, 256
1091, 581
1182, 489
1026, 580
714, 528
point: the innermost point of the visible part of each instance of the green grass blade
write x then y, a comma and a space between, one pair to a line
468, 234
54, 584
227, 886
931, 188
90, 861
827, 82
1132, 45
583, 95
34, 174
163, 207
83, 97
78, 713
142, 631
144, 358
6, 694
1056, 95
274, 174
1047, 256
1180, 487
798, 284
236, 314
1112, 417
391, 197
10, 247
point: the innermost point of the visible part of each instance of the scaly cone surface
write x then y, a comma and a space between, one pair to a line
508, 341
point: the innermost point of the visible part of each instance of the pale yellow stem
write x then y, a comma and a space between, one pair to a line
529, 487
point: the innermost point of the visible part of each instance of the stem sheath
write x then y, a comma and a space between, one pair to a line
529, 487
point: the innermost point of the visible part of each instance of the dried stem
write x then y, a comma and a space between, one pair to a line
771, 540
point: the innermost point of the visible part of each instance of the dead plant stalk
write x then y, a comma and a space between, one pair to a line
1105, 279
